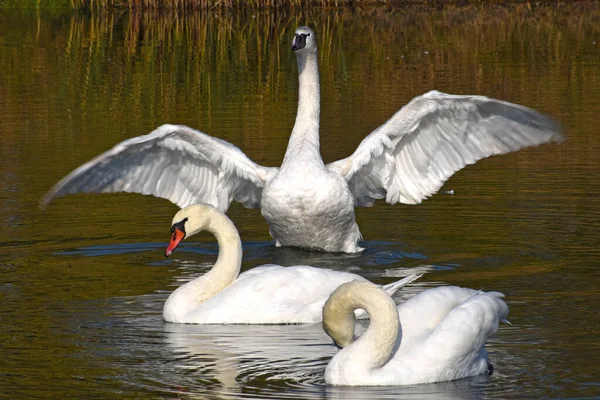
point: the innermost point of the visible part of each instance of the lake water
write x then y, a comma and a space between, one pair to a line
82, 283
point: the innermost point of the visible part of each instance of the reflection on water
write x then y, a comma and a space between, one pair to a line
252, 356
83, 282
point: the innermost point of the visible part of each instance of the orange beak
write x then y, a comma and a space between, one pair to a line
176, 238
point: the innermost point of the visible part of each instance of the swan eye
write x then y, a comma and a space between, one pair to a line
179, 225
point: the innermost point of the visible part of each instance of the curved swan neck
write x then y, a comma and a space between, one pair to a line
376, 346
305, 135
228, 264
225, 271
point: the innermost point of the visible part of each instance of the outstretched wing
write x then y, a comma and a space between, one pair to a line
173, 162
409, 157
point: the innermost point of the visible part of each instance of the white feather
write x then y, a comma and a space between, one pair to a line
411, 155
437, 335
306, 203
269, 294
173, 162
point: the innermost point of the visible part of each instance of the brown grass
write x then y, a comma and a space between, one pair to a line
280, 4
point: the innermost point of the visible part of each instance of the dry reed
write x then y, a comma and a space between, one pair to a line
181, 5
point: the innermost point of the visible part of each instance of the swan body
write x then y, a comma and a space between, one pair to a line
303, 214
437, 335
269, 294
306, 203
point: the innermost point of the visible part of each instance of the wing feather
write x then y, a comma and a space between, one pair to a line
408, 158
173, 162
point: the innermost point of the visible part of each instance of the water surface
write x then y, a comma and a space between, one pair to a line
83, 282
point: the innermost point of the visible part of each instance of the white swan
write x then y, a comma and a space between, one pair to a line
269, 294
437, 335
305, 202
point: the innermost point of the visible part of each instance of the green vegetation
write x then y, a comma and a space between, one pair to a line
158, 52
45, 7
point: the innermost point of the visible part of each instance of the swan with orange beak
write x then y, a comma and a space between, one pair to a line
268, 294
177, 235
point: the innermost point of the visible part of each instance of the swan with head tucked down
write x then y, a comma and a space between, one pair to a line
269, 294
437, 335
306, 203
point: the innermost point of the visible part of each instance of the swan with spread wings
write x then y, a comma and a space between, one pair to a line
306, 203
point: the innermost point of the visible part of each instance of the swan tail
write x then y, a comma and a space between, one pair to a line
392, 288
499, 297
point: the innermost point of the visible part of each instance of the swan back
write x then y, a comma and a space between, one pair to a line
454, 346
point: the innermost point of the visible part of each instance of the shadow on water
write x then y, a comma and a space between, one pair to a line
373, 261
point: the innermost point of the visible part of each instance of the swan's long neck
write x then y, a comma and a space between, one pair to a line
305, 135
377, 345
229, 261
223, 273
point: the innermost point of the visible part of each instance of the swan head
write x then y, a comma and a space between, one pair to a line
305, 40
338, 313
188, 222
